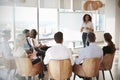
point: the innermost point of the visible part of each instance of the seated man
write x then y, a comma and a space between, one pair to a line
91, 51
58, 52
27, 44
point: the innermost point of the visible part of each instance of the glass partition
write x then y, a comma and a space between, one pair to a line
6, 20
6, 36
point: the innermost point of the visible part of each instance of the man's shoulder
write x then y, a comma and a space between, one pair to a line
83, 49
52, 48
99, 47
56, 47
91, 47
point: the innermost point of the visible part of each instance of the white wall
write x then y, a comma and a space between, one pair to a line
99, 36
110, 17
117, 24
112, 20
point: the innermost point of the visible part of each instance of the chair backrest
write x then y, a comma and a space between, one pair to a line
60, 69
89, 68
37, 69
107, 62
11, 64
24, 66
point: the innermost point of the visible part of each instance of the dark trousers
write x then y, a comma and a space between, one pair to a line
35, 61
84, 39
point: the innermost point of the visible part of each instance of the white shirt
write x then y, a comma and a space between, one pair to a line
58, 52
92, 51
34, 42
89, 25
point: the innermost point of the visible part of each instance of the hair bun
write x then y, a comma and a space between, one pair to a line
107, 36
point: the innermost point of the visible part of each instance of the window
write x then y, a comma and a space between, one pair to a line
6, 20
98, 21
48, 19
25, 18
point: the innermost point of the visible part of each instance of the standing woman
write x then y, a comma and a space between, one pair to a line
86, 27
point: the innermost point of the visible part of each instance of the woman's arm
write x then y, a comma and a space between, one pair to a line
81, 30
91, 28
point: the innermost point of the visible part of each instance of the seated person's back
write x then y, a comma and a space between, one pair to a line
19, 46
110, 48
58, 52
19, 50
92, 51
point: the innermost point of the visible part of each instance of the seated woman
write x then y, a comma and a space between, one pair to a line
37, 46
110, 48
19, 51
34, 41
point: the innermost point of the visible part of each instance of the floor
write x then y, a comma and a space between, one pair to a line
115, 71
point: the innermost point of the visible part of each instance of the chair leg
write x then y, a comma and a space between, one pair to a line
111, 74
103, 75
33, 77
84, 78
97, 77
14, 74
8, 73
29, 78
87, 78
51, 79
74, 76
68, 78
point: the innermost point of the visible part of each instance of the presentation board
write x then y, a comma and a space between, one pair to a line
70, 23
71, 20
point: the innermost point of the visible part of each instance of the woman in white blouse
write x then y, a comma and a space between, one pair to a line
36, 45
86, 27
34, 42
